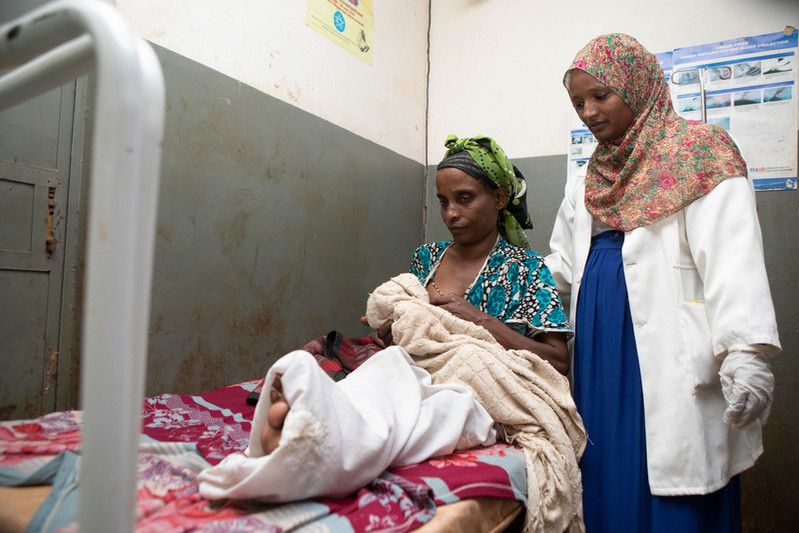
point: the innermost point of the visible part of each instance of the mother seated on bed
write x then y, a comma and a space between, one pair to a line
480, 347
486, 273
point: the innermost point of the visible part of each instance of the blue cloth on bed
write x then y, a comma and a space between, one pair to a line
59, 509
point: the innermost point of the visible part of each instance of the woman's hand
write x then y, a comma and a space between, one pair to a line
383, 332
550, 346
459, 307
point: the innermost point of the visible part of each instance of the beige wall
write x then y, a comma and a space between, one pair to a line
267, 44
496, 65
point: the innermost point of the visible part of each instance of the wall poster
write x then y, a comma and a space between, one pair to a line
748, 86
347, 23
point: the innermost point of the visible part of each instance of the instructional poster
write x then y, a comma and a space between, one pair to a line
347, 23
749, 87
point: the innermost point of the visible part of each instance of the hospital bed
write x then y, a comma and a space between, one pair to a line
132, 479
473, 490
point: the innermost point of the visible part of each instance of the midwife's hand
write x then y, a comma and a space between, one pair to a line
748, 387
384, 331
459, 307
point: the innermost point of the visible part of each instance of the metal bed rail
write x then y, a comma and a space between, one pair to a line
45, 48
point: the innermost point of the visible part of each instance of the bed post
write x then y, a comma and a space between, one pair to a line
47, 47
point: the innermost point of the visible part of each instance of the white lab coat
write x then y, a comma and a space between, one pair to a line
697, 285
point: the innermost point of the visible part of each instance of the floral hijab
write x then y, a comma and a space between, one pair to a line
483, 159
663, 162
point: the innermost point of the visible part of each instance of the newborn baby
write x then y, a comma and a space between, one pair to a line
312, 436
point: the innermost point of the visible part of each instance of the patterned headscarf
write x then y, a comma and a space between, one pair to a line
663, 162
483, 159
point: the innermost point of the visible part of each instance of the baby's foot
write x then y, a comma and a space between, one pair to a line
275, 417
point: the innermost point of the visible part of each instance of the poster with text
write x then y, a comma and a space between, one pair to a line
347, 23
750, 90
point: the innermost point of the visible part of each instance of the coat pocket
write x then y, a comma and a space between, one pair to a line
697, 343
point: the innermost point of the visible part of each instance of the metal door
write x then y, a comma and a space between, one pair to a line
35, 161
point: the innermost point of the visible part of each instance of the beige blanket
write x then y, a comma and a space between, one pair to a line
519, 390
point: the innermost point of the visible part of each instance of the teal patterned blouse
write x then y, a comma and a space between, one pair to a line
514, 286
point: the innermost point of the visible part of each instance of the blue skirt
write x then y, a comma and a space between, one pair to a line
616, 495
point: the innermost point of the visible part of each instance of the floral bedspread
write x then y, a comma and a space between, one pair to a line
184, 434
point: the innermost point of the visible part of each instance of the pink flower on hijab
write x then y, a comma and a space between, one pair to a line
667, 182
580, 64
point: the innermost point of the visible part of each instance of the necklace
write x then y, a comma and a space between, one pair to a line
433, 283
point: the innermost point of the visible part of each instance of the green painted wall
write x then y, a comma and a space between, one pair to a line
769, 490
273, 226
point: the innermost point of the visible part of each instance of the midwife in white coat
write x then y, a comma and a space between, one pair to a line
657, 254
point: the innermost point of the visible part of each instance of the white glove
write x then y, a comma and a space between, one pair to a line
748, 387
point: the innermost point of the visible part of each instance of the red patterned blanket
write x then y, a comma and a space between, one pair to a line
184, 434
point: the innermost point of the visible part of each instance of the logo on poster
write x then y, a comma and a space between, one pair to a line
338, 20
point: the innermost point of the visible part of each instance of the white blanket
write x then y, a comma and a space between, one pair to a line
518, 389
339, 436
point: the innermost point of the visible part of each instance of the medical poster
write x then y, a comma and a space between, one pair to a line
749, 87
348, 23
581, 145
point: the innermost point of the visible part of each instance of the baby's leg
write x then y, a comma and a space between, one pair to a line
275, 417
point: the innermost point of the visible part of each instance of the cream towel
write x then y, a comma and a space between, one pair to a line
519, 390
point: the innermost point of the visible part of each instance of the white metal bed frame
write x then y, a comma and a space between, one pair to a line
46, 48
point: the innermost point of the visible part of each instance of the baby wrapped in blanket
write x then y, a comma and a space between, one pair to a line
339, 436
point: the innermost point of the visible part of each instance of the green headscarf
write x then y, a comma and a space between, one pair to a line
489, 164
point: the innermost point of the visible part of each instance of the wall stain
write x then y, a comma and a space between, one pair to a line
261, 205
232, 340
238, 149
165, 232
29, 408
199, 367
159, 328
263, 320
233, 235
275, 168
8, 411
